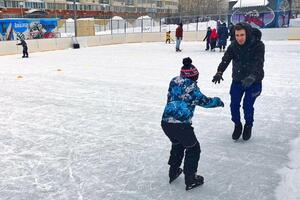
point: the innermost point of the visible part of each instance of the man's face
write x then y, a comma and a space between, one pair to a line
240, 36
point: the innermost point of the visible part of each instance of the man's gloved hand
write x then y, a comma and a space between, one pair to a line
218, 77
248, 81
218, 101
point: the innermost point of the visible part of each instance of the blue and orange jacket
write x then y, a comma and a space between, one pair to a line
183, 96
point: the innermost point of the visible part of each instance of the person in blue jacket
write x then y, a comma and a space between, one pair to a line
183, 96
223, 36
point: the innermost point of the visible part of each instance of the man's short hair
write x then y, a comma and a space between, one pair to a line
239, 27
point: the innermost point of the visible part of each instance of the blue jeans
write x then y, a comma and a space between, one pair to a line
237, 91
178, 41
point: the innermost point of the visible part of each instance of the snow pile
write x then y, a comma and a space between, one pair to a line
290, 183
117, 18
86, 19
144, 17
70, 20
295, 22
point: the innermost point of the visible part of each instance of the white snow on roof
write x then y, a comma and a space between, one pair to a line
35, 1
86, 19
250, 3
117, 18
70, 20
144, 17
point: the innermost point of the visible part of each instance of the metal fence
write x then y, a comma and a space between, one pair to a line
146, 24
140, 25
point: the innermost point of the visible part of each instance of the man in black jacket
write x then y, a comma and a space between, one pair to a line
25, 48
207, 38
247, 54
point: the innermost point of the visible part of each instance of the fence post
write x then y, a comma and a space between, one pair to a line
66, 26
160, 25
111, 27
142, 25
125, 26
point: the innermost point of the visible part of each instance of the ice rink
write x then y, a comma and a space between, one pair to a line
85, 124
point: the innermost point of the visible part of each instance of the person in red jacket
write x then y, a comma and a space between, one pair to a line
179, 34
213, 39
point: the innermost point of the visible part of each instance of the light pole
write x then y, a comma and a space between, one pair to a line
21, 5
55, 9
75, 17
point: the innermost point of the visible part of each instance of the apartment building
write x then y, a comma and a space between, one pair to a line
201, 7
90, 7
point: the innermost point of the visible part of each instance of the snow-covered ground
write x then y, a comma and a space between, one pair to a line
85, 124
295, 22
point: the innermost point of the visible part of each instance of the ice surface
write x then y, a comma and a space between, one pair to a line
85, 124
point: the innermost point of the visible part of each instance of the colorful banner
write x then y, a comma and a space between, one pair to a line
276, 13
13, 29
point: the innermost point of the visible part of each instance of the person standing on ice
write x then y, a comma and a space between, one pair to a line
179, 35
223, 36
183, 96
25, 48
213, 39
207, 38
247, 53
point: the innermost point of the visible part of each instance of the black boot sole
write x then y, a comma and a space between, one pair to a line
245, 138
236, 137
190, 187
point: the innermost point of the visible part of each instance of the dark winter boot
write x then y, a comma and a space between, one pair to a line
247, 132
237, 131
174, 173
193, 181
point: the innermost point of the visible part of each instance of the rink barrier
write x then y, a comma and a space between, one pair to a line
39, 45
294, 33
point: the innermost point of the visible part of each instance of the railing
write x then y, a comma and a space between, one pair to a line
144, 24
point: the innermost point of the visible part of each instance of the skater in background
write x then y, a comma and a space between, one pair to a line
168, 37
179, 36
25, 48
213, 39
223, 36
247, 53
183, 96
231, 32
207, 38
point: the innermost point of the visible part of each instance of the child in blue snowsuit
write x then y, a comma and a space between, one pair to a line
183, 96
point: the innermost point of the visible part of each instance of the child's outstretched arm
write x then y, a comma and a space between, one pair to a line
206, 102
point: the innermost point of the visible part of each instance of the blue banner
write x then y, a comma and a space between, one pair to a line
12, 29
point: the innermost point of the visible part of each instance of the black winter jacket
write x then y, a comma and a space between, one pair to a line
23, 43
207, 36
247, 59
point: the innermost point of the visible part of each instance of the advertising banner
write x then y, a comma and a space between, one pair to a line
23, 28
